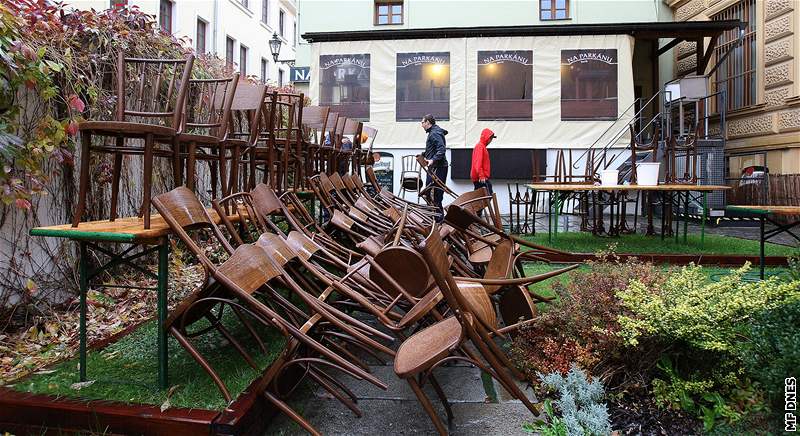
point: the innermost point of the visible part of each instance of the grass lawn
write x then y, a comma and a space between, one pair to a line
126, 370
583, 242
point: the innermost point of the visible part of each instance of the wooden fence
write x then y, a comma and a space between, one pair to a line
780, 190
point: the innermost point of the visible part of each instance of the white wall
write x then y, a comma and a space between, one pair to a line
228, 18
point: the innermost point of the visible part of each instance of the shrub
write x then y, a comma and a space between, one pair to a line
582, 325
580, 403
705, 326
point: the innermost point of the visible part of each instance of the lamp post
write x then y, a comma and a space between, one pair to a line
275, 49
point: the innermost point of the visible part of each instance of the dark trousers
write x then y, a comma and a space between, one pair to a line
487, 184
438, 193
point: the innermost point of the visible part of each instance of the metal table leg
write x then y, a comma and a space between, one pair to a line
84, 288
163, 286
703, 221
686, 218
762, 222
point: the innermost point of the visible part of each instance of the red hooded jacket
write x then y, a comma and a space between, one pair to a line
481, 168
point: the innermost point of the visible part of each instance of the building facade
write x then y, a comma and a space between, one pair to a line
236, 30
553, 76
761, 77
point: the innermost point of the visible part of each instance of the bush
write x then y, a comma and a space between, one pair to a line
582, 325
580, 403
771, 353
705, 326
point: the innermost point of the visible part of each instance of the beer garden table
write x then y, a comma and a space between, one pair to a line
764, 213
131, 232
559, 191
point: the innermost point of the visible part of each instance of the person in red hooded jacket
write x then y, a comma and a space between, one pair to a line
481, 167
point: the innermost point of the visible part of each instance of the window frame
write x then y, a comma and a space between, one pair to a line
496, 60
390, 3
581, 98
165, 20
245, 3
419, 60
265, 11
230, 49
281, 26
280, 77
736, 80
553, 11
264, 70
201, 23
351, 75
243, 52
117, 4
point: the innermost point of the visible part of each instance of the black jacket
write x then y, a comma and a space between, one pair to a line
435, 146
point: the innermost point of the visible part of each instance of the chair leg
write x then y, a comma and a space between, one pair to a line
223, 171
202, 361
86, 141
214, 176
288, 411
233, 182
177, 167
191, 156
426, 404
115, 179
148, 179
336, 394
442, 397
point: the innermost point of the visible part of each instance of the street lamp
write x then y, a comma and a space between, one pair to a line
275, 49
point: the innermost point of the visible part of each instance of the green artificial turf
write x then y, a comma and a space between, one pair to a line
126, 370
582, 242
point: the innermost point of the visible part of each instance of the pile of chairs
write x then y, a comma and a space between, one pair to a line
378, 280
247, 133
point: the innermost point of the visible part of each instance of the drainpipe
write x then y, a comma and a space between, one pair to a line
216, 25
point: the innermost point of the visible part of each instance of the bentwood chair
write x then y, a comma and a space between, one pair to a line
205, 127
351, 159
411, 176
244, 134
315, 120
150, 94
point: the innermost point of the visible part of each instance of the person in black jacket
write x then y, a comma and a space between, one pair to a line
435, 147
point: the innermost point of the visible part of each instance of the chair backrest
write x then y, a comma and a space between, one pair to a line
246, 111
152, 90
184, 213
248, 268
338, 131
315, 120
208, 106
353, 127
373, 180
472, 299
410, 165
474, 201
330, 127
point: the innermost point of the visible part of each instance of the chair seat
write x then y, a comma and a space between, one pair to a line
428, 346
423, 306
481, 252
127, 129
199, 139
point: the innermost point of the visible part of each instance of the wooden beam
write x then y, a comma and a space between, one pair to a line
700, 42
669, 45
701, 66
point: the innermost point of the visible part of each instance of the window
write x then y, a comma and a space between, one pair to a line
229, 43
589, 84
281, 16
264, 67
553, 10
165, 16
387, 12
344, 84
294, 34
201, 36
736, 73
505, 85
280, 77
423, 86
264, 11
244, 3
117, 4
242, 60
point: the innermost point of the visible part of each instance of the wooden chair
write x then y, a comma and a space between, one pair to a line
410, 176
244, 134
688, 148
350, 160
473, 318
205, 127
315, 120
150, 96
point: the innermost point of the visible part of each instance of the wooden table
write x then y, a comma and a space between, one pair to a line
763, 213
563, 189
129, 231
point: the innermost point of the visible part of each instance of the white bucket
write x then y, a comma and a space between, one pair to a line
647, 173
609, 177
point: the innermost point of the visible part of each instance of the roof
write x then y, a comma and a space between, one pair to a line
686, 30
